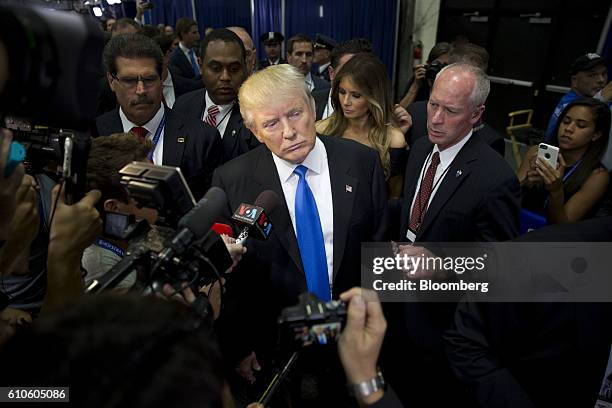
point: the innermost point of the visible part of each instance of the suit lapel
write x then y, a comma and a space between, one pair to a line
343, 188
266, 175
230, 137
175, 140
185, 61
116, 126
458, 171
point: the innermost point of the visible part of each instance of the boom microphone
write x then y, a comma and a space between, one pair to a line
196, 223
253, 219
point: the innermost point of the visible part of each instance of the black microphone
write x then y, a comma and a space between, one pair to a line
253, 219
196, 223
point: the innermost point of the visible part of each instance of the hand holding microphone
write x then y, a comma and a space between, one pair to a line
253, 218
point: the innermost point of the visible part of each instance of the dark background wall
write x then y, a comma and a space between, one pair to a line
531, 43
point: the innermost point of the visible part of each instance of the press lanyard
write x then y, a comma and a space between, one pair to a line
157, 135
104, 244
223, 118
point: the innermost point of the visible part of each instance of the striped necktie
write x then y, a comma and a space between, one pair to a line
211, 117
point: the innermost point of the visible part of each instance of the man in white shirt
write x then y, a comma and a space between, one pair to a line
300, 53
223, 72
173, 85
184, 59
457, 189
272, 41
134, 68
332, 197
467, 180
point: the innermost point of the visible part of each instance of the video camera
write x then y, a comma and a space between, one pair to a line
45, 82
160, 187
433, 69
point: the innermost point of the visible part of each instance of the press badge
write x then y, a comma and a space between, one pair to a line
411, 236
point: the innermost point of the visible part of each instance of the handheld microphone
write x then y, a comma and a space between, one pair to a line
196, 223
253, 219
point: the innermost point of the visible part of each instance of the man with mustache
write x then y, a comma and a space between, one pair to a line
134, 68
224, 69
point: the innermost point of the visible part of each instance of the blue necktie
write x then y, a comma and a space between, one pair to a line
194, 63
310, 238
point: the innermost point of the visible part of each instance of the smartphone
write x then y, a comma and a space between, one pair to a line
549, 153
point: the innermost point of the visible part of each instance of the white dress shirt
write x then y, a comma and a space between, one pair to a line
318, 180
168, 90
322, 68
151, 126
186, 52
223, 115
329, 108
310, 82
447, 156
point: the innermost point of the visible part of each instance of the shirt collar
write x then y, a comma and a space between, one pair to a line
151, 125
323, 67
315, 161
309, 79
183, 48
168, 81
222, 108
448, 155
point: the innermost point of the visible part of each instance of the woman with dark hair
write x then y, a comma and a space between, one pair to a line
572, 191
363, 111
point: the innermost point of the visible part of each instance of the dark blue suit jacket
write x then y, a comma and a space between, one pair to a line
181, 65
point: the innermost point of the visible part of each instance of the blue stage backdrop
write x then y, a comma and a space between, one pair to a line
340, 19
346, 19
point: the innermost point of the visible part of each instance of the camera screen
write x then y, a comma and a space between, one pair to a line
322, 334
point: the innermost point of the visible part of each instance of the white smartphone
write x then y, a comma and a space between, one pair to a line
549, 153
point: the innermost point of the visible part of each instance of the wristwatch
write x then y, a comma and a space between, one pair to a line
368, 387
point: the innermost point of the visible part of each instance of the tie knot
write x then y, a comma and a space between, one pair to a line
301, 171
435, 159
213, 110
140, 132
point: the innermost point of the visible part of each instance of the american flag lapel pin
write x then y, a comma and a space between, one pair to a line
349, 189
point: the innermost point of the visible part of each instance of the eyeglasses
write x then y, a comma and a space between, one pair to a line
132, 82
